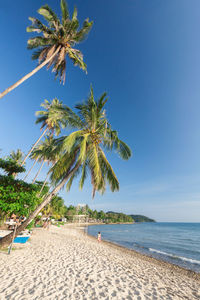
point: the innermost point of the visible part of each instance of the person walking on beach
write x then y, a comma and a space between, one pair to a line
99, 237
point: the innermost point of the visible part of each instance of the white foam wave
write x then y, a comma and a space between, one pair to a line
192, 261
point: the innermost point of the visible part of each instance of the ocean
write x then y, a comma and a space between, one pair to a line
177, 243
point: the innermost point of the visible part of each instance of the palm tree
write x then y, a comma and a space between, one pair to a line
16, 156
51, 119
94, 135
56, 42
83, 151
56, 208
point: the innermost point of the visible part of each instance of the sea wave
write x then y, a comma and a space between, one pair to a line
190, 260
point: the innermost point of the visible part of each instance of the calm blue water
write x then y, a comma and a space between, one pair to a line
178, 243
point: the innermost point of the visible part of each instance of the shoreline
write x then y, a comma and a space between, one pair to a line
67, 263
157, 261
190, 272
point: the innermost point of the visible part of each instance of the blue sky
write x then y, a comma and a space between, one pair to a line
146, 55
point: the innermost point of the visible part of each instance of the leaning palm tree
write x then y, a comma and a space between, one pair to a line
56, 42
88, 144
83, 152
51, 120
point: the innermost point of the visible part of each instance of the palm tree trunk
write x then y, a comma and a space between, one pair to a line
45, 181
43, 185
30, 169
33, 147
8, 238
12, 87
38, 172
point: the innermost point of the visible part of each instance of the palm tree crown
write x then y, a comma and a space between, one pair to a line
59, 38
85, 146
17, 156
45, 151
52, 116
56, 42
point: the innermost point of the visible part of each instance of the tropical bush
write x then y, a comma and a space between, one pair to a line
17, 196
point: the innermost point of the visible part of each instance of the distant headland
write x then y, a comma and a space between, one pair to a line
141, 218
136, 218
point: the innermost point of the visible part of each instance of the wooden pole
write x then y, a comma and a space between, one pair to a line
10, 247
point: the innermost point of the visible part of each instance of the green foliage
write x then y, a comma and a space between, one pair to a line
10, 166
140, 218
98, 216
71, 211
117, 218
56, 208
17, 196
30, 225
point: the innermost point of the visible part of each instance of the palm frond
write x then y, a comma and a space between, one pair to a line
40, 53
64, 10
74, 15
83, 33
124, 150
77, 58
48, 14
83, 147
62, 166
38, 41
109, 173
69, 183
70, 141
38, 27
101, 102
93, 161
83, 175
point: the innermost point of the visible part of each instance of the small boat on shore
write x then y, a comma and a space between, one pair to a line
22, 238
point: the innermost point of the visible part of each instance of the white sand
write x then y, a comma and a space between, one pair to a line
63, 263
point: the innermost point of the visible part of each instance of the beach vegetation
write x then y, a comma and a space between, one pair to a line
10, 166
17, 196
56, 209
95, 216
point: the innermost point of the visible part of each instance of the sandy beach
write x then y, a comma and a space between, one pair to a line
65, 263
